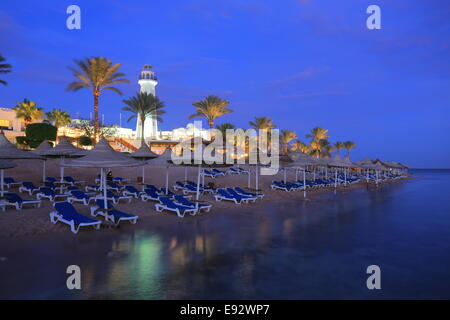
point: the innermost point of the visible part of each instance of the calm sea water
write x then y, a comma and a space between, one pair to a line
315, 249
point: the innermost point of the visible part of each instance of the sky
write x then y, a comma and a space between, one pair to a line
303, 63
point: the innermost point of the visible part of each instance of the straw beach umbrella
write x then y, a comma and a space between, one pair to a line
9, 151
103, 156
64, 149
163, 161
42, 150
300, 161
4, 164
143, 153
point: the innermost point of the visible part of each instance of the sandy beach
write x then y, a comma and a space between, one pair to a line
34, 221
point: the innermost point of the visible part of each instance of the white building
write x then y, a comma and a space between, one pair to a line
148, 82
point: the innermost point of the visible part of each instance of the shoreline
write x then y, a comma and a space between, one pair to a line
31, 222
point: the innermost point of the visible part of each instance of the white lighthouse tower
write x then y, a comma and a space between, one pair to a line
148, 82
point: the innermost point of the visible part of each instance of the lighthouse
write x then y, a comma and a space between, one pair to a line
147, 82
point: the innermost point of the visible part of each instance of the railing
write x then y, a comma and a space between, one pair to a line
125, 144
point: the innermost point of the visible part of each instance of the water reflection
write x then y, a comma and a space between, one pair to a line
317, 248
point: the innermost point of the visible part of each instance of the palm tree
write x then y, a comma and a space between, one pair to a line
28, 111
59, 118
262, 123
4, 68
285, 138
318, 133
97, 74
349, 145
298, 145
211, 108
338, 145
143, 105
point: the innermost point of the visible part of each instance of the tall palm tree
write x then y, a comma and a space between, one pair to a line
349, 145
211, 108
318, 133
59, 118
144, 104
96, 74
28, 111
285, 138
319, 141
262, 123
4, 68
338, 146
298, 145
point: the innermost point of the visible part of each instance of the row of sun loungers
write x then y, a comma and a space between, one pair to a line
213, 173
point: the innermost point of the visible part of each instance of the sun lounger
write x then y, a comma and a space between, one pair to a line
112, 214
185, 202
222, 173
13, 199
92, 188
120, 180
223, 195
132, 191
241, 191
48, 193
150, 194
66, 213
233, 192
80, 196
179, 186
210, 174
10, 182
168, 204
72, 181
28, 187
233, 171
244, 171
114, 186
115, 198
282, 186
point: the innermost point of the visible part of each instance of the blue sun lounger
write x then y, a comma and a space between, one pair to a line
112, 214
210, 174
80, 196
48, 193
92, 188
13, 199
235, 194
28, 187
150, 194
120, 180
114, 186
72, 181
10, 182
223, 195
280, 186
132, 191
66, 213
185, 202
168, 204
241, 191
233, 171
219, 172
115, 198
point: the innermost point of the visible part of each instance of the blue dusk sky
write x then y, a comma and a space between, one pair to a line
303, 63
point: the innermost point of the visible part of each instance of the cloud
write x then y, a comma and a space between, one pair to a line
312, 94
310, 72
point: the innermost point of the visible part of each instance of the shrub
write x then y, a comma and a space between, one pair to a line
35, 133
85, 141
